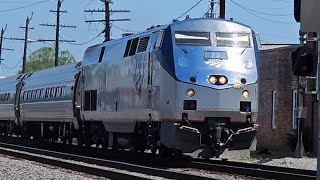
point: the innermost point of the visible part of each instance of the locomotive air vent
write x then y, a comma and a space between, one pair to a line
143, 44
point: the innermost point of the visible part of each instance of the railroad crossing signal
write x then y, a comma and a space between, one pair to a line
304, 61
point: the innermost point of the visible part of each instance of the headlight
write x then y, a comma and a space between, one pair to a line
212, 79
223, 80
190, 92
245, 93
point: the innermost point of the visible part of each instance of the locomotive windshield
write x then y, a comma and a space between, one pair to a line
233, 39
192, 38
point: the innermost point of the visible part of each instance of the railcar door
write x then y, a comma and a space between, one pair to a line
153, 90
17, 98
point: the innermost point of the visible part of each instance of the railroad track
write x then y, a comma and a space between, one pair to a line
253, 170
142, 163
69, 161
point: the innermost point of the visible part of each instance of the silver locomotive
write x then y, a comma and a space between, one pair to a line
183, 87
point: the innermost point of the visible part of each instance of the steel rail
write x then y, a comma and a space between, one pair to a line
90, 160
253, 170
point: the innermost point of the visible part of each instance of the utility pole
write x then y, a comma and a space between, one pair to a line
57, 26
212, 9
1, 43
56, 55
107, 19
24, 61
25, 39
222, 9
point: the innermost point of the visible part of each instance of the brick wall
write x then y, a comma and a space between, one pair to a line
275, 75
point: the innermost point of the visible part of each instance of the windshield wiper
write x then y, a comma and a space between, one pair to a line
245, 49
184, 49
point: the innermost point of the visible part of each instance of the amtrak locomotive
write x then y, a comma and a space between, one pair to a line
183, 87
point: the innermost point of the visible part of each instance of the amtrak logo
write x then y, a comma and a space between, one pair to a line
214, 63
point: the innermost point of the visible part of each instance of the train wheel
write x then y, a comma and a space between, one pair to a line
164, 151
79, 140
154, 150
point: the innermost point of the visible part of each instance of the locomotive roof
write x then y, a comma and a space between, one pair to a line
160, 27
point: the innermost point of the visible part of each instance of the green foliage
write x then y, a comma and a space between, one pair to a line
43, 58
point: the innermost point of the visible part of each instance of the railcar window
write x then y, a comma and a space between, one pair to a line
47, 93
33, 94
29, 94
63, 91
192, 38
233, 39
37, 93
143, 44
53, 90
24, 95
41, 93
58, 91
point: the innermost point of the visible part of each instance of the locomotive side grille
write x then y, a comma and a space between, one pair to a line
143, 44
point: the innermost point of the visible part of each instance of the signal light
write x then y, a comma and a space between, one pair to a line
304, 61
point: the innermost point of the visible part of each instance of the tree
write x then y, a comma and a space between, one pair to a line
43, 58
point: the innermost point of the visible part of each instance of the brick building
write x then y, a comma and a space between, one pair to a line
278, 102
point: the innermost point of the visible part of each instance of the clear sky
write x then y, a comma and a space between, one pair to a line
272, 19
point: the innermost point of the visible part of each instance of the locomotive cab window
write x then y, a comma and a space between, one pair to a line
233, 39
192, 38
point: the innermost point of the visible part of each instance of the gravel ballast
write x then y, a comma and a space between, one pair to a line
298, 163
13, 168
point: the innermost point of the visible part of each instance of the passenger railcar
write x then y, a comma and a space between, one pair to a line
183, 87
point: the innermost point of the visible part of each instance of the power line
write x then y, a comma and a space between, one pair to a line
78, 44
125, 30
22, 7
189, 9
268, 14
279, 22
13, 66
